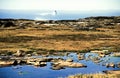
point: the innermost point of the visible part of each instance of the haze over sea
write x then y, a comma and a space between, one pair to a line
53, 14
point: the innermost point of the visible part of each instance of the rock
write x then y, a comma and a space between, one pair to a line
15, 62
80, 56
116, 54
30, 62
5, 58
45, 55
55, 64
112, 72
69, 60
96, 59
57, 67
67, 53
45, 59
8, 62
33, 61
68, 64
42, 64
35, 54
36, 63
21, 61
19, 53
118, 65
110, 65
57, 59
102, 55
76, 65
29, 55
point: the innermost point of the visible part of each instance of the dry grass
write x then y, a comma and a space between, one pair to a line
95, 76
69, 39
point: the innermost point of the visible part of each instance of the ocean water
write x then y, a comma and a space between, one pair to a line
53, 14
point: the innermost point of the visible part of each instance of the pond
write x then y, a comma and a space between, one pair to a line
30, 71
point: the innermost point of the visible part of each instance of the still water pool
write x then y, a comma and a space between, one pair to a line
29, 71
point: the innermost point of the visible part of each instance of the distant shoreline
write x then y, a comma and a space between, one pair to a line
61, 35
48, 14
91, 17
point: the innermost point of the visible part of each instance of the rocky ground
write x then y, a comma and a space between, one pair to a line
22, 38
62, 35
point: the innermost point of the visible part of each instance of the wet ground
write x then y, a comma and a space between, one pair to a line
94, 63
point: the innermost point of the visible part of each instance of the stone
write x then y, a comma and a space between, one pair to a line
80, 57
69, 60
21, 61
68, 64
19, 53
29, 55
37, 63
8, 62
57, 67
112, 72
110, 65
102, 55
42, 64
116, 54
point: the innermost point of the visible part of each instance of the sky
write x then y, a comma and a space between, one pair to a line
68, 5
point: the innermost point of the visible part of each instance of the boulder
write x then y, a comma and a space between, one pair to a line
35, 54
36, 63
69, 60
19, 53
42, 64
68, 64
118, 65
8, 62
45, 59
21, 61
96, 59
112, 72
116, 54
110, 65
80, 56
102, 55
29, 55
71, 64
57, 67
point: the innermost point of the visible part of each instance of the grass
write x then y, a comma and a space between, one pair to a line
43, 39
65, 38
94, 76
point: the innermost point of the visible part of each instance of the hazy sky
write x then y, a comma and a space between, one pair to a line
79, 5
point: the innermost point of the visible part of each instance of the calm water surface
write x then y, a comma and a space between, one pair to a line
29, 71
49, 14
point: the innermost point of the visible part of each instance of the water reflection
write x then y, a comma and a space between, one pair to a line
95, 64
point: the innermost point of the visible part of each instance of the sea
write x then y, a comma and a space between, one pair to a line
53, 14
